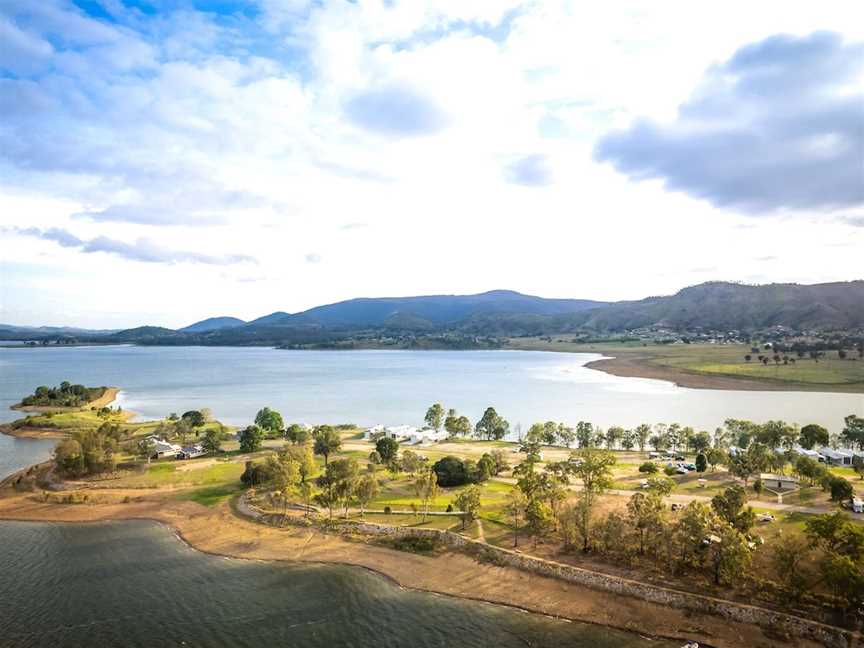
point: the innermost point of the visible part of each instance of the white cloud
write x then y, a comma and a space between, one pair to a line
236, 137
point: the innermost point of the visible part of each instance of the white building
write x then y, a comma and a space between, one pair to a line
837, 457
779, 482
813, 454
164, 449
395, 432
427, 435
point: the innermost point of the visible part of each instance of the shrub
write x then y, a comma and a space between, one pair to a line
648, 467
416, 544
670, 470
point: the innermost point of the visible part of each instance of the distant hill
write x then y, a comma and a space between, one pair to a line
427, 311
722, 305
143, 334
463, 319
212, 324
14, 332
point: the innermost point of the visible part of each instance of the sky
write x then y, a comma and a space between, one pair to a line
166, 161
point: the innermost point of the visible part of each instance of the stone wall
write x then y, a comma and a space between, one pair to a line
778, 622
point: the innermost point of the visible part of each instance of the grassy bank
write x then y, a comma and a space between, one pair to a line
712, 366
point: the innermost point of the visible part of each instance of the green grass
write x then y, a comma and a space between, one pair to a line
722, 359
211, 495
167, 474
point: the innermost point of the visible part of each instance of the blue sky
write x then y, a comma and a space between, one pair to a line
193, 159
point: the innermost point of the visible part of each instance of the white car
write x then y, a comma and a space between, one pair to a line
765, 517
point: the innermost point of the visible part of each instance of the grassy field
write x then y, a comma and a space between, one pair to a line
719, 360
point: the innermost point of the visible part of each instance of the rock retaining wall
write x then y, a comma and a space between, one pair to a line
776, 622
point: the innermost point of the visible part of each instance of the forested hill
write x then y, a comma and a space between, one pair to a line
731, 306
715, 306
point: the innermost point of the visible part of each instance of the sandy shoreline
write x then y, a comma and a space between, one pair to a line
453, 574
642, 367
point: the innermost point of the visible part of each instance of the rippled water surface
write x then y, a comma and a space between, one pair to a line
136, 584
395, 387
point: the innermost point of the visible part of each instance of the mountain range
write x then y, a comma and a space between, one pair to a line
722, 306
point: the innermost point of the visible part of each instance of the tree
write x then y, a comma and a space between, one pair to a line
515, 510
788, 558
297, 434
304, 458
284, 476
251, 438
388, 449
457, 426
728, 553
700, 442
594, 468
194, 417
858, 466
450, 471
435, 416
810, 470
426, 488
729, 505
145, 449
485, 467
327, 441
715, 456
628, 440
491, 426
212, 442
646, 516
367, 490
337, 483
642, 432
411, 462
845, 579
813, 435
701, 463
468, 501
613, 436
660, 486
758, 487
657, 442
270, 421
840, 488
690, 530
584, 434
853, 433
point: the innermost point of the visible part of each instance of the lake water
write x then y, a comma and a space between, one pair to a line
135, 584
396, 387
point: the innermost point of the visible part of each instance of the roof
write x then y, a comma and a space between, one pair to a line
835, 454
773, 477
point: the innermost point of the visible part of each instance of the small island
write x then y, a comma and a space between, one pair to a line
66, 397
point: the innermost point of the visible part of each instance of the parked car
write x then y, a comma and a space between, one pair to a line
765, 517
682, 470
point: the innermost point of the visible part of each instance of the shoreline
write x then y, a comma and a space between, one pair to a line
451, 574
110, 395
640, 367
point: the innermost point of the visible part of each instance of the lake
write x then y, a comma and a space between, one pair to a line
135, 584
396, 387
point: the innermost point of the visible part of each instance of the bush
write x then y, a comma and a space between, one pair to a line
648, 467
415, 544
387, 510
670, 470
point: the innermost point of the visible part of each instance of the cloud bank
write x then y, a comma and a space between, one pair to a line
143, 250
777, 126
